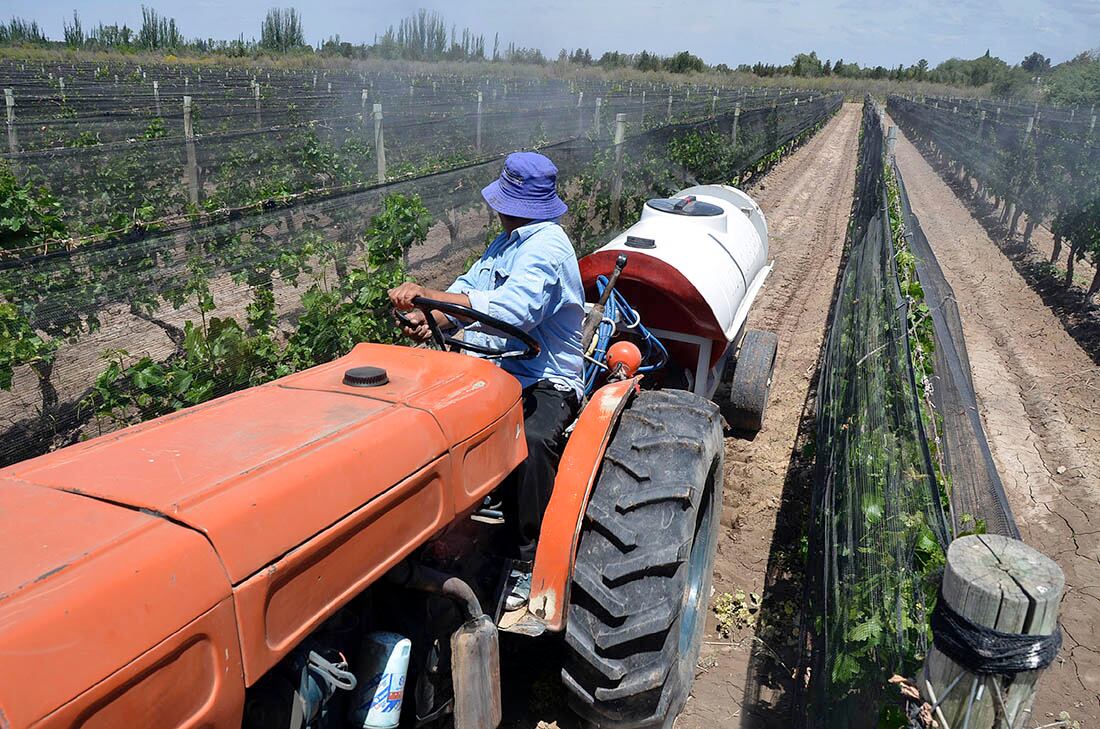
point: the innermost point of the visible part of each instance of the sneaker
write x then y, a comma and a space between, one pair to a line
520, 591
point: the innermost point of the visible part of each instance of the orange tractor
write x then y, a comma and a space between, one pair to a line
236, 563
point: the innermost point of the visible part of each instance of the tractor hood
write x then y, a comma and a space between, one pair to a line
85, 588
261, 471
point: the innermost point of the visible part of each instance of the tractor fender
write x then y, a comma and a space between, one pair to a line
561, 523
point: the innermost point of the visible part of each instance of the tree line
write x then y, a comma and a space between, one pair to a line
1077, 81
426, 36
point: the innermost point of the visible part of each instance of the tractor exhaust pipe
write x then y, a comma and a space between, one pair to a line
475, 647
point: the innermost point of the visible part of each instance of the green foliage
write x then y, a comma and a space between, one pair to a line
685, 62
282, 30
1076, 82
19, 344
22, 32
220, 355
158, 32
155, 129
735, 611
29, 215
880, 522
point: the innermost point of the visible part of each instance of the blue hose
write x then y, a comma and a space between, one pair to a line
618, 314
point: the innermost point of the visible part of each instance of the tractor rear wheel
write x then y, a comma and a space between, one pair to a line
752, 380
641, 581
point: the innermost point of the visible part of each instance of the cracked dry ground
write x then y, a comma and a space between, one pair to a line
1039, 397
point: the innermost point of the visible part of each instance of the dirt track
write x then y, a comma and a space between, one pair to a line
806, 200
1039, 395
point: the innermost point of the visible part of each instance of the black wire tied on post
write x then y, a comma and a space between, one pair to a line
983, 650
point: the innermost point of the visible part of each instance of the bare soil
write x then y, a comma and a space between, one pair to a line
1039, 396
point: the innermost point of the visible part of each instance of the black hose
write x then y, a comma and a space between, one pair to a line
425, 579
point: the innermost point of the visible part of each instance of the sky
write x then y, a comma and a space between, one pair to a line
720, 31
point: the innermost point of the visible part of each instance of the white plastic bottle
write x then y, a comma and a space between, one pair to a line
382, 666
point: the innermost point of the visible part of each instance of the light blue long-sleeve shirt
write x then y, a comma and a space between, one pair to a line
530, 279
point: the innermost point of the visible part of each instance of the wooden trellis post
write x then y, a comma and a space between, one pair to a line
668, 115
891, 142
478, 136
617, 180
156, 96
596, 119
9, 102
580, 114
379, 143
736, 123
256, 95
1003, 584
192, 158
643, 107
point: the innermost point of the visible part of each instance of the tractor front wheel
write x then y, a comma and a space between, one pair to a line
641, 581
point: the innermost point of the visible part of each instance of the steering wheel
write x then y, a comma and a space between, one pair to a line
447, 342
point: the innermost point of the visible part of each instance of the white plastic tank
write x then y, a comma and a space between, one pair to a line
715, 236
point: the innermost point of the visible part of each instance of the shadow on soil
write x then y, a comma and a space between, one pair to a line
1080, 317
770, 698
530, 683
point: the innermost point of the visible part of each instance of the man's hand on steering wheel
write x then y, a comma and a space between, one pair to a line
414, 324
402, 296
438, 309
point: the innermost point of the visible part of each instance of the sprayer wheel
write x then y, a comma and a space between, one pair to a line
752, 380
641, 581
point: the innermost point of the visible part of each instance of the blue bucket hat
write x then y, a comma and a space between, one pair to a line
527, 188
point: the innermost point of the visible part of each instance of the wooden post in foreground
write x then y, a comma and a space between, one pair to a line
736, 123
1003, 584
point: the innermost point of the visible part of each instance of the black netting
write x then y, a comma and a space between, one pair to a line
276, 266
878, 520
881, 517
977, 496
1040, 161
114, 154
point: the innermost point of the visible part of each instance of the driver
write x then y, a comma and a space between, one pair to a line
528, 277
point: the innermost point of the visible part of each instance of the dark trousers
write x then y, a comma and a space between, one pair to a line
546, 414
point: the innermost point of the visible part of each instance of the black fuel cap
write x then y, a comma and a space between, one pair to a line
365, 377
